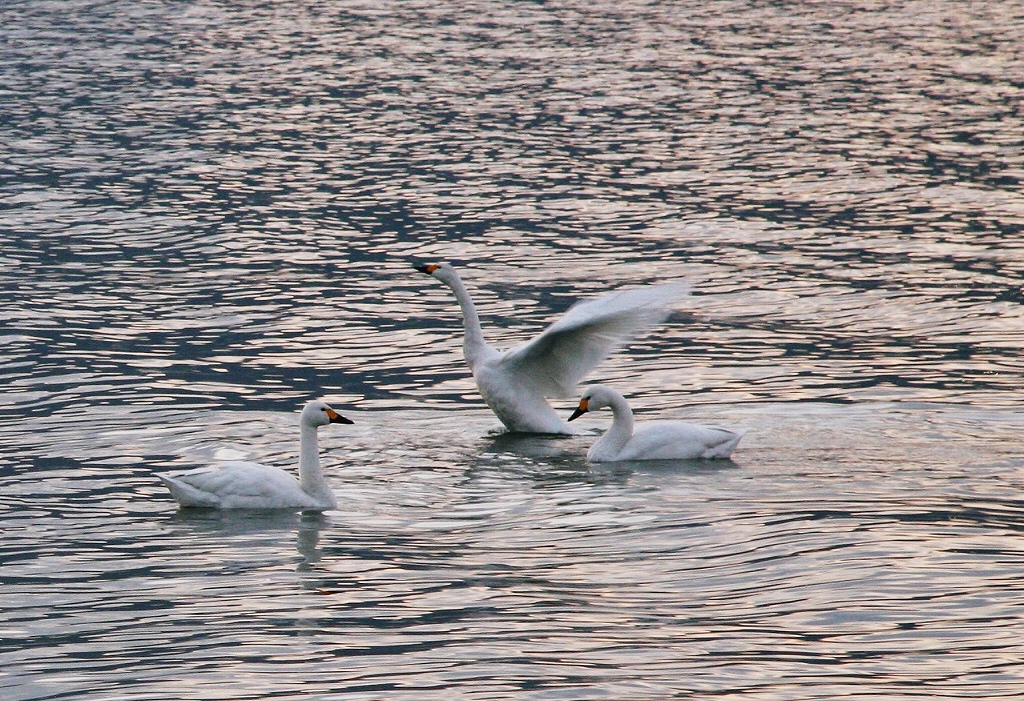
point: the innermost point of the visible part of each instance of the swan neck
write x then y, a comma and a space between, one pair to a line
622, 425
311, 477
473, 345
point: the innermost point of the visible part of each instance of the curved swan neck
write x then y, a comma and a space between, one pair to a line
621, 430
311, 477
622, 421
473, 346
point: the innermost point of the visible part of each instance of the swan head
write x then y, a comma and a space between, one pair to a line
318, 413
595, 397
442, 271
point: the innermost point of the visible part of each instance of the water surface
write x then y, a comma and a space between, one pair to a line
209, 213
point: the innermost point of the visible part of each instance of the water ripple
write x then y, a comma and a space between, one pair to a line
209, 213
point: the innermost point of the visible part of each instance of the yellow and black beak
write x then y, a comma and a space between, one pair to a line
336, 418
428, 269
582, 409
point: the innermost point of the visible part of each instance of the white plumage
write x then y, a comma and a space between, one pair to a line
652, 440
514, 383
249, 485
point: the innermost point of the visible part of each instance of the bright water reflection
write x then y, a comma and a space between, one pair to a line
208, 214
486, 565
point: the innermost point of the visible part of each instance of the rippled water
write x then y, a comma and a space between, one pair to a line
208, 213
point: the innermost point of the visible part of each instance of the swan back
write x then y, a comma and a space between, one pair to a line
652, 440
239, 485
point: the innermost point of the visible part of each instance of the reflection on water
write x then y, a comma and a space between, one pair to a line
876, 539
208, 212
226, 216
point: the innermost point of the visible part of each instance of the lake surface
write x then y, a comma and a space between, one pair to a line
209, 213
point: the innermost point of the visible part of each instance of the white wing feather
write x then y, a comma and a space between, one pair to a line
555, 361
672, 440
233, 482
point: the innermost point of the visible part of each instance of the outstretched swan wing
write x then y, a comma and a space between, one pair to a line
555, 361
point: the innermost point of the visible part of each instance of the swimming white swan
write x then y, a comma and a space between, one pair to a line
653, 440
249, 485
514, 383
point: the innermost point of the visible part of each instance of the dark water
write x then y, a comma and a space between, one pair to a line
208, 213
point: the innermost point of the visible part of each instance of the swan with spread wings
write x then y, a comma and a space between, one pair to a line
515, 383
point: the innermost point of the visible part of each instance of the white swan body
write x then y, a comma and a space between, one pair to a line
249, 485
515, 382
653, 440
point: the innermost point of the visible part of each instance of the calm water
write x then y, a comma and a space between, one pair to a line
208, 213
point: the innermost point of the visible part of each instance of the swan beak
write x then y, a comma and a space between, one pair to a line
582, 409
337, 418
428, 269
